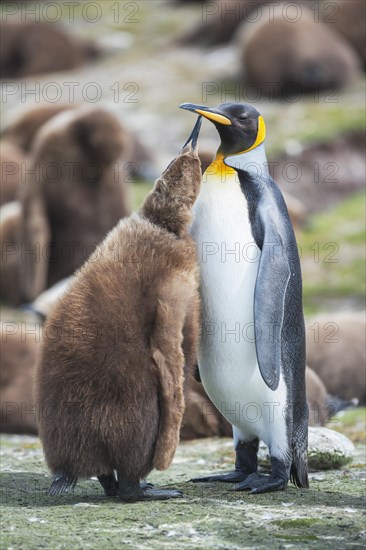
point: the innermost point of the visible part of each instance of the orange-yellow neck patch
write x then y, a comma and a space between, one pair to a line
219, 169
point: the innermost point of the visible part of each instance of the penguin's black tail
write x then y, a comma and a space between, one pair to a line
299, 470
62, 482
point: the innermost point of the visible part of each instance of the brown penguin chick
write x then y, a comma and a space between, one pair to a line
17, 365
221, 19
201, 418
74, 193
16, 144
22, 131
19, 343
10, 222
317, 397
110, 376
348, 17
34, 48
283, 57
11, 159
336, 352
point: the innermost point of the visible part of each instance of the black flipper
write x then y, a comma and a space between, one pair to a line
269, 300
61, 484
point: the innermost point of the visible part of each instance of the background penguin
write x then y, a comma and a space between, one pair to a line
16, 142
251, 287
293, 57
221, 19
10, 171
33, 48
136, 302
350, 21
336, 350
17, 361
22, 131
75, 195
19, 344
10, 223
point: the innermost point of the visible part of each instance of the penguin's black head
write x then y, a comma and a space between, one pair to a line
240, 126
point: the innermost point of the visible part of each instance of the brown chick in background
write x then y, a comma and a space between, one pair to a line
74, 192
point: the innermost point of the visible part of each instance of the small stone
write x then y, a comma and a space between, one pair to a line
327, 450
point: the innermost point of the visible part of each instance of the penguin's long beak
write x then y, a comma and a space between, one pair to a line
194, 134
211, 114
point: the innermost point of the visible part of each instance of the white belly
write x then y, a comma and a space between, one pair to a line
229, 260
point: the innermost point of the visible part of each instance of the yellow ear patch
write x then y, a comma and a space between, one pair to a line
261, 135
215, 117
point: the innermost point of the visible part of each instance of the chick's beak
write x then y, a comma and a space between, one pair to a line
211, 114
193, 138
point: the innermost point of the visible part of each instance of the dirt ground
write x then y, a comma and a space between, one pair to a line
331, 514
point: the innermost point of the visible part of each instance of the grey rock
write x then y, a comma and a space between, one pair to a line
327, 450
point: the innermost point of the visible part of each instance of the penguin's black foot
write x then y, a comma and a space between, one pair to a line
144, 484
245, 464
235, 476
109, 484
259, 483
135, 491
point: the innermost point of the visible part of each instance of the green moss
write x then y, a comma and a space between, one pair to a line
290, 524
335, 460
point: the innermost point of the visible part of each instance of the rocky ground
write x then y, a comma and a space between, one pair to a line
330, 514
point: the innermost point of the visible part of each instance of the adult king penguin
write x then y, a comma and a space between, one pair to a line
252, 354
